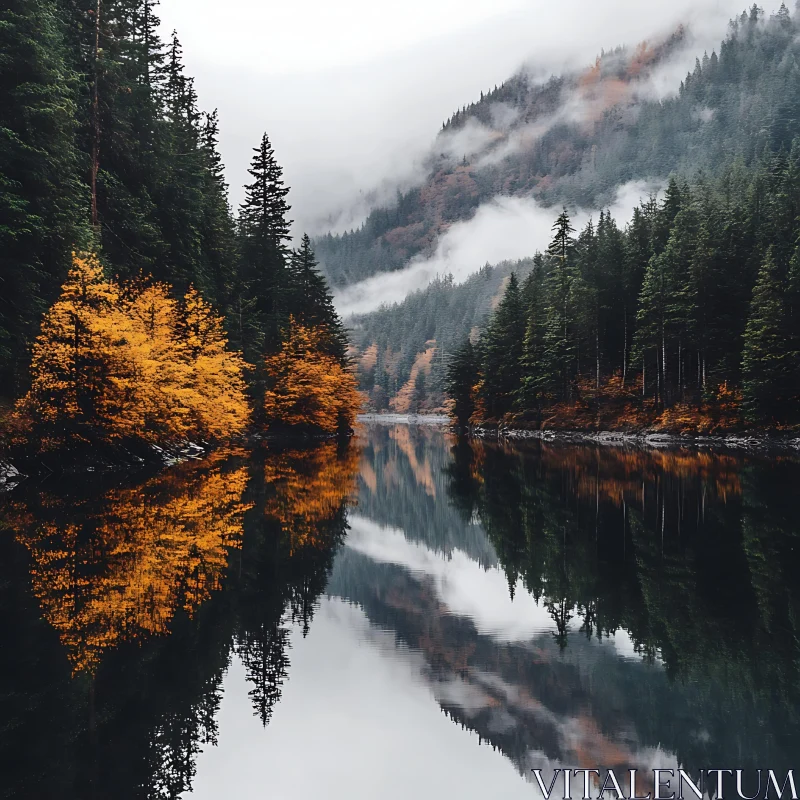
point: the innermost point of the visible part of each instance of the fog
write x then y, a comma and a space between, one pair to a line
507, 228
352, 94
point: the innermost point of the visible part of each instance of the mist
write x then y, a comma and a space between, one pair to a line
353, 95
507, 228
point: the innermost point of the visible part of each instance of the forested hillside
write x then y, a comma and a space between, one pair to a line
403, 350
686, 319
123, 271
576, 137
726, 138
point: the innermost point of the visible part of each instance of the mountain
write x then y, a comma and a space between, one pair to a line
571, 140
574, 138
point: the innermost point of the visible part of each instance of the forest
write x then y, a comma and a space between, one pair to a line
722, 144
685, 320
135, 305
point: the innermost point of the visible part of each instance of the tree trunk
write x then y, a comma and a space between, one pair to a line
625, 347
597, 352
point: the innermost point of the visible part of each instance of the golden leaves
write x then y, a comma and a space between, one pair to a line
124, 569
121, 362
309, 487
309, 388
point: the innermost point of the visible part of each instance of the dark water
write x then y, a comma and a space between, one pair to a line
407, 617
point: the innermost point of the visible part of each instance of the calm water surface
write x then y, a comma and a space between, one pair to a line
406, 617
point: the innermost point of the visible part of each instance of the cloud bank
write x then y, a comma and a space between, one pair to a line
353, 94
507, 228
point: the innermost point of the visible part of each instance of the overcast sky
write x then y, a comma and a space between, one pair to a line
353, 92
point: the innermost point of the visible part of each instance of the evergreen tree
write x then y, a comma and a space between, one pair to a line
261, 286
560, 346
310, 299
533, 366
39, 195
462, 375
767, 360
502, 352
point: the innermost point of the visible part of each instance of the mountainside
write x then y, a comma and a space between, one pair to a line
402, 351
730, 125
576, 137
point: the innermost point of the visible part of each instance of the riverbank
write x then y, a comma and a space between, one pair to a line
646, 438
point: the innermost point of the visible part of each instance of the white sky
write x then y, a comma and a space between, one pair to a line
353, 92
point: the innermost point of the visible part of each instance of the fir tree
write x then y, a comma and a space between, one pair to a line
310, 299
767, 360
560, 349
534, 383
263, 233
39, 194
462, 375
502, 352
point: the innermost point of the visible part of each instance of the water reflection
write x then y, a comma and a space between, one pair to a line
117, 632
685, 561
471, 612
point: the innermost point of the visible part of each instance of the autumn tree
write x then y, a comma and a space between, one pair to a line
308, 388
131, 362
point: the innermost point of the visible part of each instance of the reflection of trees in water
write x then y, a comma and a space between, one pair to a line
119, 566
127, 584
694, 554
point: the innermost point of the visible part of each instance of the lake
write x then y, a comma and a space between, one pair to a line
406, 616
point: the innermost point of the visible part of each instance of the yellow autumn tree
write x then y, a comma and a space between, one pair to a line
121, 569
309, 488
116, 363
307, 388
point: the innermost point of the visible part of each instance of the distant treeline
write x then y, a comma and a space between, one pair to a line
103, 150
694, 305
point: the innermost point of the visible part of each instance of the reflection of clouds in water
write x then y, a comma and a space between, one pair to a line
462, 585
362, 706
467, 589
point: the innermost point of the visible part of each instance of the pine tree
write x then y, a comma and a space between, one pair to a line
462, 375
560, 345
502, 352
40, 219
767, 360
263, 233
533, 388
310, 299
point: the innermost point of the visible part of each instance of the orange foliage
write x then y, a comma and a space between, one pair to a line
401, 402
124, 571
369, 357
310, 487
131, 362
423, 474
309, 388
614, 407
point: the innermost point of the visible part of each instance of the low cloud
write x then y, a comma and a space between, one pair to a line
352, 106
506, 228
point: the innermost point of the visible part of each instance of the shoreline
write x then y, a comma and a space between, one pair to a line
755, 440
647, 438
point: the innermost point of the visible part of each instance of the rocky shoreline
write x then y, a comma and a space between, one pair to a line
755, 440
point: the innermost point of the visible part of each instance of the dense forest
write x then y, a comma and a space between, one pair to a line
576, 137
115, 226
681, 317
687, 318
404, 349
